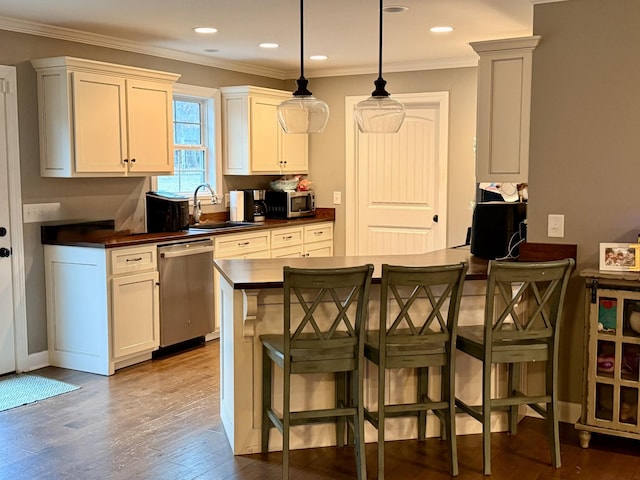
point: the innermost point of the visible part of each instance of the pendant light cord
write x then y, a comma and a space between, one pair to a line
380, 83
302, 82
301, 38
380, 44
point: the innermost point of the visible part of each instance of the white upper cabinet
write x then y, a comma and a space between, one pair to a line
103, 120
504, 105
254, 143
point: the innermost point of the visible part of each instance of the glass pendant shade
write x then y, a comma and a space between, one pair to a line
303, 114
379, 113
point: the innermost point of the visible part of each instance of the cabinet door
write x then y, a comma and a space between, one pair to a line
264, 136
614, 354
294, 152
319, 249
150, 127
504, 102
135, 314
288, 252
99, 123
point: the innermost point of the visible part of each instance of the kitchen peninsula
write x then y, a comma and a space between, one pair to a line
251, 304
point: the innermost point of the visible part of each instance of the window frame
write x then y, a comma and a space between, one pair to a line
212, 137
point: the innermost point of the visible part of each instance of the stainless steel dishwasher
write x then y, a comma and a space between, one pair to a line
186, 291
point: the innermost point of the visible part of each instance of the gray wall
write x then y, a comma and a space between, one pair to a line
584, 159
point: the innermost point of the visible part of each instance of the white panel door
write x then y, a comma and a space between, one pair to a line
7, 333
400, 184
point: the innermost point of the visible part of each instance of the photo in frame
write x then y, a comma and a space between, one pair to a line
620, 257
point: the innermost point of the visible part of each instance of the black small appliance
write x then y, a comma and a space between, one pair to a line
496, 228
166, 212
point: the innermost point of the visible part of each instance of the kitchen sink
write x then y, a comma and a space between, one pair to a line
220, 225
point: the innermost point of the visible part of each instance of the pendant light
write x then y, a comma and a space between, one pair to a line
379, 113
303, 113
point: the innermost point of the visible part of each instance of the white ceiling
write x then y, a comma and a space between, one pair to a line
345, 30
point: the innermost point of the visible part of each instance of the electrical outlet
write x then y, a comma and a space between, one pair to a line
555, 226
40, 212
337, 198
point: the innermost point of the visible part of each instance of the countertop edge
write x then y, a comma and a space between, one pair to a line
101, 234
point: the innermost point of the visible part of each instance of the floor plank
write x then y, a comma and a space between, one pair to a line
160, 420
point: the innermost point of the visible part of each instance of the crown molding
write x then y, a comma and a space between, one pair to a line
456, 62
60, 33
42, 30
536, 2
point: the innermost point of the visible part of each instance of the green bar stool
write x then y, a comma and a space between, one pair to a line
419, 307
521, 323
317, 342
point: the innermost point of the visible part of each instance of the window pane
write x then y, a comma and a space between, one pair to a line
187, 112
168, 183
192, 160
190, 181
187, 134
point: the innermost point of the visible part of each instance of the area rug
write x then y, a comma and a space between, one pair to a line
22, 389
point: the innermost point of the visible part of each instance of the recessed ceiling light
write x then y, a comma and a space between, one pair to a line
318, 57
395, 9
268, 45
442, 29
205, 30
211, 50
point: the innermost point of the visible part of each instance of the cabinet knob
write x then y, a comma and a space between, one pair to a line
5, 252
126, 160
3, 231
133, 160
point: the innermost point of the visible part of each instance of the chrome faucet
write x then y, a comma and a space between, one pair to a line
197, 210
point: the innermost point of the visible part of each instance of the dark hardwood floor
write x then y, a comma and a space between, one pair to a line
160, 420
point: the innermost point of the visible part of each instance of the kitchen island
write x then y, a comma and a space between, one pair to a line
251, 304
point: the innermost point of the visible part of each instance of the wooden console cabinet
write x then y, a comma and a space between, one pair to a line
612, 355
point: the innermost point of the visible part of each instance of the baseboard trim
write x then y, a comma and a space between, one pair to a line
37, 360
567, 412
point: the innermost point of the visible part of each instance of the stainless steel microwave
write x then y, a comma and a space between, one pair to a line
290, 204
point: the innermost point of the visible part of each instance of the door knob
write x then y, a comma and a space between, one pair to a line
435, 218
5, 252
3, 231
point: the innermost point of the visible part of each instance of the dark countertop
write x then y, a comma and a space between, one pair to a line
102, 234
245, 274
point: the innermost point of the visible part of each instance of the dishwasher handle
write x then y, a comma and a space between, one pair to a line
186, 251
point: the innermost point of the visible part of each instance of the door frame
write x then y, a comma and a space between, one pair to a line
9, 87
441, 99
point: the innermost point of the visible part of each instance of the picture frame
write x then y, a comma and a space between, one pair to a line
620, 257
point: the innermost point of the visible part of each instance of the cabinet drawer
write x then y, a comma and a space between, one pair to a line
318, 232
239, 244
286, 237
133, 259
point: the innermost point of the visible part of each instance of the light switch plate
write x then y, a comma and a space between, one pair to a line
555, 226
337, 198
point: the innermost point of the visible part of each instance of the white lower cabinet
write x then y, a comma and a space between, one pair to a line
135, 310
102, 306
308, 241
243, 245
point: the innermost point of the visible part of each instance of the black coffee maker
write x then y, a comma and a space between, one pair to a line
259, 205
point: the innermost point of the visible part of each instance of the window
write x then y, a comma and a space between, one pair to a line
196, 138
